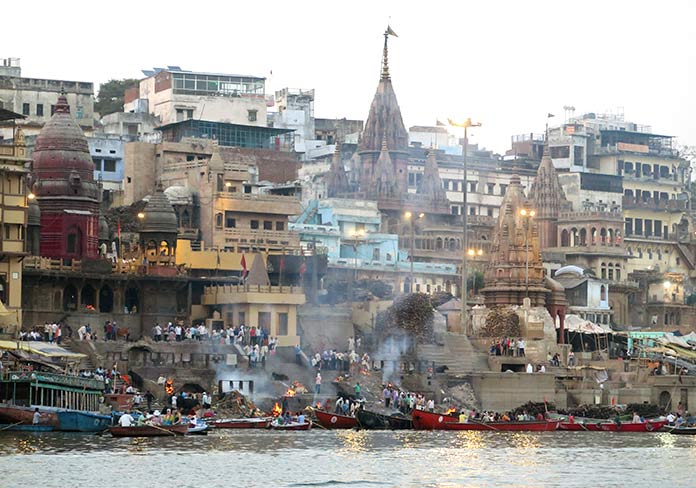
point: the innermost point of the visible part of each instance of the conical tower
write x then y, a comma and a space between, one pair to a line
383, 183
431, 184
337, 179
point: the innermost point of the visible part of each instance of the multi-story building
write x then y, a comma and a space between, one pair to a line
107, 155
13, 215
36, 99
174, 95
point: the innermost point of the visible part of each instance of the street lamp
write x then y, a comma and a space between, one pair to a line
527, 215
355, 235
409, 216
141, 215
465, 125
472, 253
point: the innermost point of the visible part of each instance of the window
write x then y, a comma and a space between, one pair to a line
472, 187
190, 157
251, 114
110, 165
265, 320
254, 224
25, 109
267, 225
503, 189
472, 211
280, 225
189, 114
97, 164
39, 109
53, 109
230, 221
79, 112
71, 243
282, 324
242, 318
375, 254
220, 182
490, 211
490, 188
7, 231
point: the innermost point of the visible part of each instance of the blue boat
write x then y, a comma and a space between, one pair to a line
27, 428
82, 421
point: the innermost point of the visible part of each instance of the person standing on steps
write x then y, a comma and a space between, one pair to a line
317, 384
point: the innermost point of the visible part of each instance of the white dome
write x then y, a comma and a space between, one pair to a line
571, 270
179, 195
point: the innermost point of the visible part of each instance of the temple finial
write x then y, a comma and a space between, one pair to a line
385, 54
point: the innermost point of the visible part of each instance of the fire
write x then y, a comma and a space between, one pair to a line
169, 386
451, 411
276, 410
290, 392
318, 405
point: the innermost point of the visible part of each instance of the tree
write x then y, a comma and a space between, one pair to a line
111, 94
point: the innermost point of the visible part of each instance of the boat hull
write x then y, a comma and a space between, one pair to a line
649, 426
13, 414
149, 431
579, 426
377, 421
77, 421
26, 428
434, 421
334, 421
198, 429
250, 423
681, 430
292, 426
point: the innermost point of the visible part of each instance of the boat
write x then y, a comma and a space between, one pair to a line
423, 420
77, 421
580, 426
200, 428
306, 425
26, 428
373, 420
149, 430
22, 392
649, 426
248, 423
335, 421
680, 430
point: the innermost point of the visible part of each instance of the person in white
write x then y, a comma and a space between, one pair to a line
431, 405
530, 368
671, 418
542, 369
126, 420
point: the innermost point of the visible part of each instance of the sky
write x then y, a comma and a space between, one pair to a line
505, 64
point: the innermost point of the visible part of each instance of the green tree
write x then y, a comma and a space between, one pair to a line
110, 97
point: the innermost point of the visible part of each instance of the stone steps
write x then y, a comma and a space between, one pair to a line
457, 354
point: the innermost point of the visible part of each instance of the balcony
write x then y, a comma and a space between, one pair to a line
261, 237
13, 246
9, 200
634, 203
591, 215
258, 204
266, 295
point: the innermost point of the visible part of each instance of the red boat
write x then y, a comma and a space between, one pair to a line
248, 423
150, 430
292, 426
423, 420
13, 414
649, 426
335, 421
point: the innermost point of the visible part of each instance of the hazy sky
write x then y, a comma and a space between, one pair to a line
503, 63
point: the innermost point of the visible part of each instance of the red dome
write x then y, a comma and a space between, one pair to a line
62, 163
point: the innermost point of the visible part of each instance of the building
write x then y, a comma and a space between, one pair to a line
340, 131
63, 182
36, 99
14, 216
140, 126
588, 297
107, 155
175, 95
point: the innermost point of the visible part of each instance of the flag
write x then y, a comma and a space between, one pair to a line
390, 32
549, 115
244, 266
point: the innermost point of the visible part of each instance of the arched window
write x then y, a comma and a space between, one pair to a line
593, 236
603, 293
583, 237
70, 298
610, 271
438, 243
89, 297
218, 220
617, 272
630, 251
650, 254
106, 299
603, 236
565, 238
603, 271
640, 253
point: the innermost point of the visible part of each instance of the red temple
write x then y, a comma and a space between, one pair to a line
65, 189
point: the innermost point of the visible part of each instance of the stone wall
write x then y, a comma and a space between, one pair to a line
505, 391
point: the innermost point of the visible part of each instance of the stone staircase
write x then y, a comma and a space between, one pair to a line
456, 353
83, 347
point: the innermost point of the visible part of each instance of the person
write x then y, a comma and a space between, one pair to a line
680, 409
520, 347
36, 418
636, 418
206, 400
357, 389
174, 400
317, 383
431, 406
339, 405
542, 369
301, 418
617, 419
571, 419
386, 394
571, 358
126, 420
149, 397
530, 368
136, 400
671, 418
463, 417
298, 354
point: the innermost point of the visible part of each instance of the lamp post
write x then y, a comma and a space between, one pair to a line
409, 216
465, 242
527, 215
471, 253
355, 235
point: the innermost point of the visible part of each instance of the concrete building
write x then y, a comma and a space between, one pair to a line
14, 217
138, 126
175, 95
36, 99
107, 151
588, 297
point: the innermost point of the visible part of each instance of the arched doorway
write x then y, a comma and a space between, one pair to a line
89, 297
70, 298
665, 400
132, 300
106, 299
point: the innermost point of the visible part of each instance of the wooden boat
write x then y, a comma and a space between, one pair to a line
13, 414
200, 428
649, 426
581, 426
680, 430
248, 423
423, 420
77, 421
292, 426
26, 428
149, 430
374, 420
335, 421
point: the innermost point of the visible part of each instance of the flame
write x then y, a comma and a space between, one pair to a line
169, 386
276, 410
451, 411
290, 392
318, 405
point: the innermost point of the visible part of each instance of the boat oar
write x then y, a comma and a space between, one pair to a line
487, 425
11, 425
164, 430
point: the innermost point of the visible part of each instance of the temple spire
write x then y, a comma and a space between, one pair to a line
385, 54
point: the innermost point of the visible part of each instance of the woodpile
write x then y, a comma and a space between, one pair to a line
236, 405
501, 322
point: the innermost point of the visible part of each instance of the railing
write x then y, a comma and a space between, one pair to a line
652, 204
260, 236
39, 262
60, 379
246, 288
592, 215
257, 197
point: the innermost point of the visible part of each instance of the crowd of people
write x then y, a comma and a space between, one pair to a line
508, 346
48, 332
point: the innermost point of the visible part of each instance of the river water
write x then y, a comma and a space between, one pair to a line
348, 459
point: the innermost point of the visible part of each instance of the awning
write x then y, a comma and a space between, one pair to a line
45, 349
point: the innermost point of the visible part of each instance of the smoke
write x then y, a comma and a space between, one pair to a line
391, 353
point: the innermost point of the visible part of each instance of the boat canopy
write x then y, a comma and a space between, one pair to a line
45, 349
